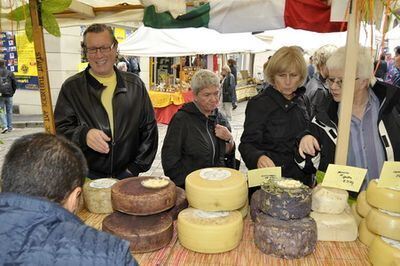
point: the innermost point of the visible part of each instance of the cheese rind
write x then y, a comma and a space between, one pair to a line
336, 227
363, 206
287, 239
382, 252
226, 192
209, 232
383, 198
180, 203
355, 213
255, 205
244, 210
97, 195
384, 224
329, 200
364, 234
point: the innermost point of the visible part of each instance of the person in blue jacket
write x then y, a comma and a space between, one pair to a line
42, 178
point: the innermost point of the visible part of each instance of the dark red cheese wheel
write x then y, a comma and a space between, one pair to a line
131, 197
145, 233
180, 204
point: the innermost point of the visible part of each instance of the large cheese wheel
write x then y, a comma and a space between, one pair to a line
255, 205
244, 210
336, 227
285, 199
355, 213
145, 233
209, 232
366, 237
384, 252
384, 223
286, 239
383, 198
363, 207
132, 197
329, 200
180, 203
216, 189
97, 195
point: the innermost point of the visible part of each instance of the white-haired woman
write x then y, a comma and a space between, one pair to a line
375, 121
199, 135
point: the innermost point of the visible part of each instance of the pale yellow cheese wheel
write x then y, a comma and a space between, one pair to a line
366, 237
384, 223
384, 252
97, 195
355, 213
209, 232
363, 207
383, 198
216, 189
245, 209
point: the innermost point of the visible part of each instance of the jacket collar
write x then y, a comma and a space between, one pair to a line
94, 83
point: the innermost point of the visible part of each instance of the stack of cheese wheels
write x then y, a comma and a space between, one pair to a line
362, 209
280, 210
383, 220
218, 200
331, 212
144, 210
97, 195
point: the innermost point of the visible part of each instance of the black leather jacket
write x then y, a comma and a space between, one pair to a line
135, 140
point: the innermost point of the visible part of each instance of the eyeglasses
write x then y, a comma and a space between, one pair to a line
102, 50
338, 81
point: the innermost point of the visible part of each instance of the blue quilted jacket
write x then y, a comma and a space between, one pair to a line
35, 231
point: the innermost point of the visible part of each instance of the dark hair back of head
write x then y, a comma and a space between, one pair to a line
43, 165
97, 28
397, 50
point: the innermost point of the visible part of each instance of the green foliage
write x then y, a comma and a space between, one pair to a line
49, 22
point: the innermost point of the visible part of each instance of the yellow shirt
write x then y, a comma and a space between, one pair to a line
107, 95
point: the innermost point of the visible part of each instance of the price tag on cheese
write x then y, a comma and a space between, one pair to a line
344, 177
390, 175
257, 176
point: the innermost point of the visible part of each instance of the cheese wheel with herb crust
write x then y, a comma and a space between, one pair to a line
216, 189
97, 195
142, 195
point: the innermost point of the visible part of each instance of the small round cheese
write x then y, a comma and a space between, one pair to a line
131, 197
384, 223
383, 198
216, 189
155, 183
384, 252
209, 232
329, 200
366, 237
97, 195
363, 207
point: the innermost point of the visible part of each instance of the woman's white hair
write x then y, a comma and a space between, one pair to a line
365, 65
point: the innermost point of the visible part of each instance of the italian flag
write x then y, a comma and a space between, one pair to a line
228, 16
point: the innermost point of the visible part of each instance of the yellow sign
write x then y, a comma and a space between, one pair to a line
26, 56
120, 34
390, 175
257, 176
344, 177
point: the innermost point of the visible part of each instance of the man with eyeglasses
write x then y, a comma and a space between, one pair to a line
107, 112
375, 121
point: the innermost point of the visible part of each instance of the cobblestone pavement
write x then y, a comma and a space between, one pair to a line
156, 169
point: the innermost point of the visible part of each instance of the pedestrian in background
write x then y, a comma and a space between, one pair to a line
8, 86
232, 66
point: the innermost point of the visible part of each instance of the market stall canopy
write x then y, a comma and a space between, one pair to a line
310, 41
188, 41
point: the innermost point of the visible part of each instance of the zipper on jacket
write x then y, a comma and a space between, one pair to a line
213, 144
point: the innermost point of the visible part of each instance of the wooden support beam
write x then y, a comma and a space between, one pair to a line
349, 79
41, 61
81, 9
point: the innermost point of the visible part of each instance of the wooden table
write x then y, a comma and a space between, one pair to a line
325, 254
244, 93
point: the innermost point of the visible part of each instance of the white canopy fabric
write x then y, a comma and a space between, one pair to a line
188, 41
310, 41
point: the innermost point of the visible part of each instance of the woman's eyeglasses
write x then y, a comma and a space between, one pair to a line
338, 81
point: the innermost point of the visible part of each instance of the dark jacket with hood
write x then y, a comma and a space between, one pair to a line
134, 143
190, 143
271, 128
324, 129
35, 231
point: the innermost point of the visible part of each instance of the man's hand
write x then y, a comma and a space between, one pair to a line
97, 140
265, 161
308, 145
